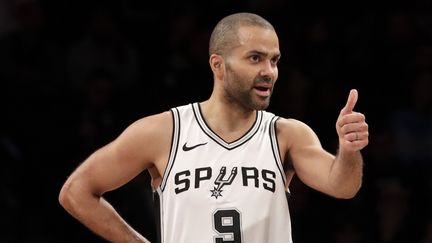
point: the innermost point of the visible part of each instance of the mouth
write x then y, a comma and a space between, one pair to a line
263, 90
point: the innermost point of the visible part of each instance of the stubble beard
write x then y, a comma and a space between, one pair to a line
244, 96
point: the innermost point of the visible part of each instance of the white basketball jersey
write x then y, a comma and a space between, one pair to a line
216, 192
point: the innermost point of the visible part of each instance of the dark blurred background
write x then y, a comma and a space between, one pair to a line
74, 74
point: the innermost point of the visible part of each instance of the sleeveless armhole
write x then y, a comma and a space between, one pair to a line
174, 146
275, 147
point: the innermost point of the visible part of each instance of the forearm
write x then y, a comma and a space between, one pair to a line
100, 217
346, 174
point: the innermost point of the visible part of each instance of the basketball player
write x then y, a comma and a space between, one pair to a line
221, 168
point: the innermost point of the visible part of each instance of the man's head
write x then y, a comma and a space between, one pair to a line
244, 52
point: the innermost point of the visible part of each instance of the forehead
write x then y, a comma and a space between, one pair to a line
258, 39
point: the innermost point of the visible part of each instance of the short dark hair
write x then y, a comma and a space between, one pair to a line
225, 34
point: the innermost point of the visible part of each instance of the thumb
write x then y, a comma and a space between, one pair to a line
352, 100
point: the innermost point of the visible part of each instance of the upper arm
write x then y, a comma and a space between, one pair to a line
142, 145
301, 146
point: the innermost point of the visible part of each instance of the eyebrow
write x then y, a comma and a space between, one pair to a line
277, 55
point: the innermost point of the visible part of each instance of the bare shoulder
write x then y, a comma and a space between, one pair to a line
291, 132
291, 126
153, 125
150, 135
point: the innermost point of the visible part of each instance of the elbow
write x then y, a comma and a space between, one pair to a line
71, 195
65, 196
69, 200
74, 194
348, 193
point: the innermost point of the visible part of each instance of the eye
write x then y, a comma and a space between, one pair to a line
255, 58
275, 60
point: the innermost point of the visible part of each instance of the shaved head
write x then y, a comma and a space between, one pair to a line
225, 35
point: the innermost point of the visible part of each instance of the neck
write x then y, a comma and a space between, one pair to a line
229, 121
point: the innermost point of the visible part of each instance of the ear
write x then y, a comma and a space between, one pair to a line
216, 64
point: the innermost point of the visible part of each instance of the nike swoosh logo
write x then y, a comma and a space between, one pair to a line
186, 148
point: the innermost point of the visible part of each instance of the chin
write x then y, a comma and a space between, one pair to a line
261, 106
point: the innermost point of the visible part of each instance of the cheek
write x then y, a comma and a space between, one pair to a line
241, 77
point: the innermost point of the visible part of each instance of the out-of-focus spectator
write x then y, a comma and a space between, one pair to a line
103, 46
347, 233
7, 22
395, 212
427, 238
12, 155
318, 49
29, 58
97, 119
423, 56
411, 123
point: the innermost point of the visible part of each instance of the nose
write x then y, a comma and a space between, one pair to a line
269, 70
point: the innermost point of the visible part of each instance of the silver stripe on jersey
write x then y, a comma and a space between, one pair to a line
275, 147
174, 145
161, 215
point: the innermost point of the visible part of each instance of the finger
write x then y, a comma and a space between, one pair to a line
354, 127
351, 118
357, 144
352, 100
354, 136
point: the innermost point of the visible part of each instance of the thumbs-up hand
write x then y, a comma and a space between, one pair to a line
351, 126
